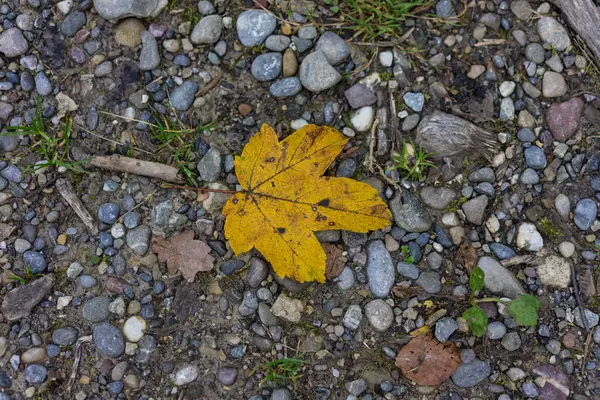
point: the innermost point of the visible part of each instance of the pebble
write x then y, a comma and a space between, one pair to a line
333, 47
13, 43
227, 375
96, 309
499, 279
109, 340
430, 281
65, 336
554, 85
208, 30
415, 101
444, 328
109, 212
563, 118
186, 375
286, 87
42, 84
149, 56
360, 95
254, 26
380, 269
585, 213
267, 66
362, 119
277, 43
353, 317
134, 329
35, 261
535, 158
528, 237
73, 23
183, 96
511, 341
379, 314
496, 330
469, 375
316, 74
35, 374
553, 33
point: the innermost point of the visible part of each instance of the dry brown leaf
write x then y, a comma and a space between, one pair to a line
183, 253
335, 261
428, 362
466, 256
5, 230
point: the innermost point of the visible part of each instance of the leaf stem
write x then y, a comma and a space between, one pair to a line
490, 299
201, 190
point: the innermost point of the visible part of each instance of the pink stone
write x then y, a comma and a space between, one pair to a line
563, 118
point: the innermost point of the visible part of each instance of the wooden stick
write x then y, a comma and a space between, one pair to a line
77, 360
138, 167
67, 193
211, 85
198, 189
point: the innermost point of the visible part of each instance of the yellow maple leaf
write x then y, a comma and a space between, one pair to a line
286, 199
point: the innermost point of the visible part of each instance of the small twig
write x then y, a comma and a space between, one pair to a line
71, 198
201, 190
137, 167
146, 199
578, 298
371, 161
77, 360
586, 351
211, 85
518, 260
491, 42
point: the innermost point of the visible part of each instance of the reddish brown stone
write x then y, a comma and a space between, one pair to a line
115, 285
563, 118
569, 340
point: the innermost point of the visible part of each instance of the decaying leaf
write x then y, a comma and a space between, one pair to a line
183, 253
335, 260
428, 362
466, 256
286, 200
5, 230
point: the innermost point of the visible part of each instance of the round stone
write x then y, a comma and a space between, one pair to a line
134, 329
109, 340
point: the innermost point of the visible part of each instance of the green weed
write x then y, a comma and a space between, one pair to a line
283, 371
548, 229
412, 167
26, 276
376, 19
178, 140
406, 257
54, 148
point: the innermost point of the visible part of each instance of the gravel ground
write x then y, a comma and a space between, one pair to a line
98, 306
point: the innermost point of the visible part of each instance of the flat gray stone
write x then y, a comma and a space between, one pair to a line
499, 279
409, 213
116, 9
316, 74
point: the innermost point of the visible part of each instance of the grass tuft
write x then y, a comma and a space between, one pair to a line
283, 371
54, 148
412, 163
548, 229
377, 19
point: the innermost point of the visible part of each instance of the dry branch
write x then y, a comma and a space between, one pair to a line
138, 167
67, 193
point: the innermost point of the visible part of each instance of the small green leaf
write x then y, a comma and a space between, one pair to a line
95, 259
524, 309
476, 279
477, 320
334, 9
